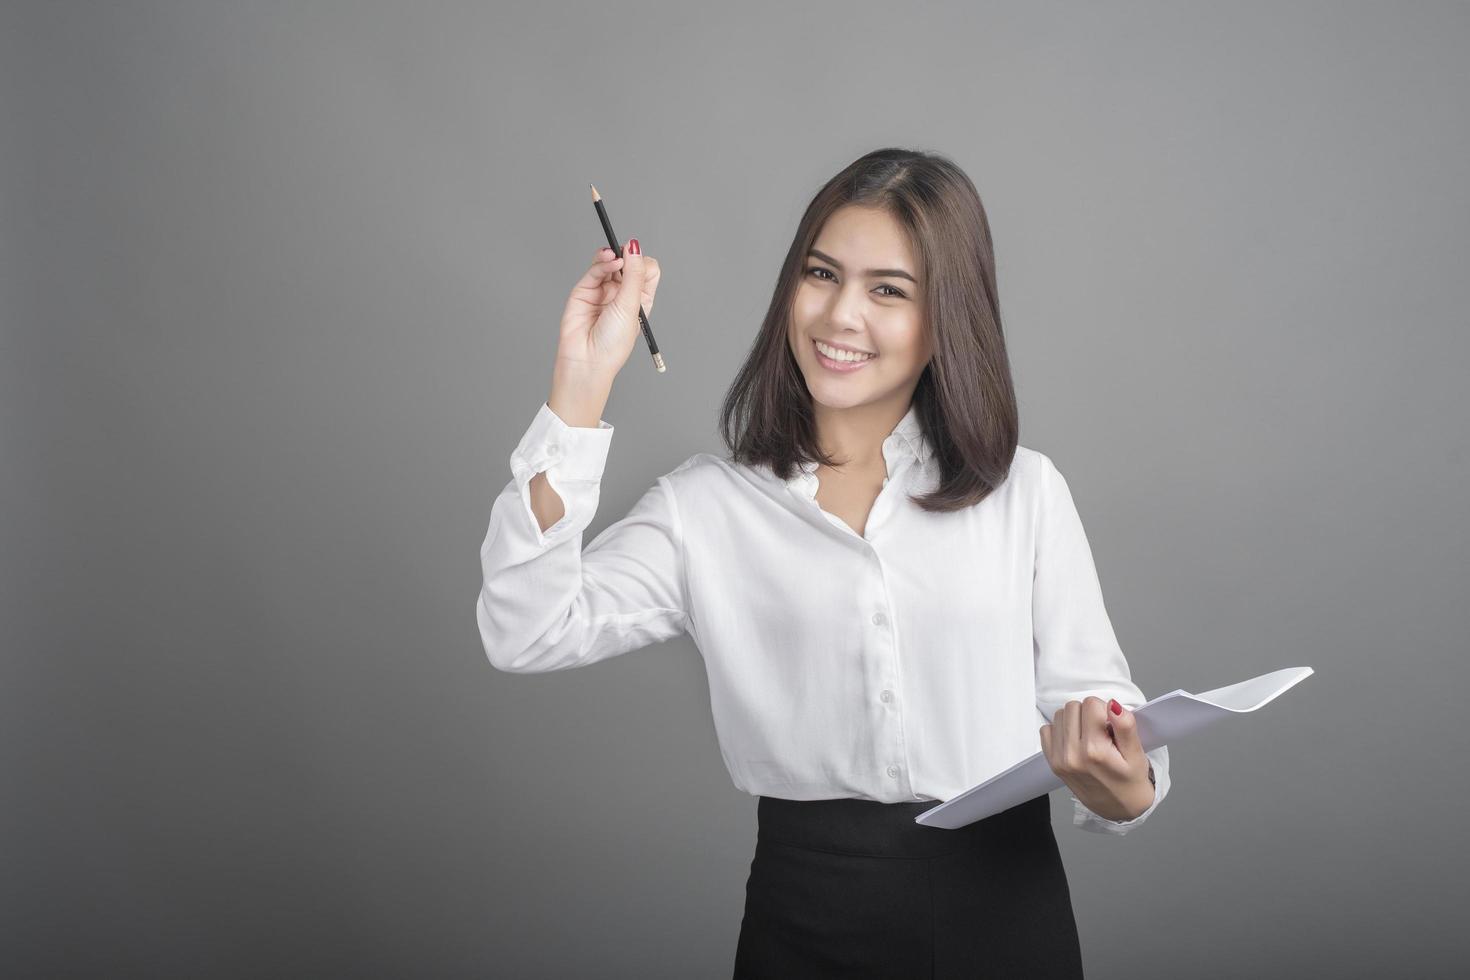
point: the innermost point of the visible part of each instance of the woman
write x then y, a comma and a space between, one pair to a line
893, 599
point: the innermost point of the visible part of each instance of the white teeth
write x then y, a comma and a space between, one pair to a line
842, 355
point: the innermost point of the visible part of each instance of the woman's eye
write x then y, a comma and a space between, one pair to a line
891, 291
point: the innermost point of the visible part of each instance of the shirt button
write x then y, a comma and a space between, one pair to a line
879, 619
553, 449
887, 695
893, 771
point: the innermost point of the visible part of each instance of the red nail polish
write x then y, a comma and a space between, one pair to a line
1117, 708
633, 246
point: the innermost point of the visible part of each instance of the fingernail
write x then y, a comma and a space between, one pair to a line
633, 246
1117, 708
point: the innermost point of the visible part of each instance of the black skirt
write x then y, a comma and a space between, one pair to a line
854, 888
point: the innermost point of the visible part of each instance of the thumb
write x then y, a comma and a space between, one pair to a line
1125, 730
630, 290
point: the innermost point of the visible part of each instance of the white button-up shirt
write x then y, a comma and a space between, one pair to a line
909, 662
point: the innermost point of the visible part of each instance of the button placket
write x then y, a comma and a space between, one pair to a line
880, 619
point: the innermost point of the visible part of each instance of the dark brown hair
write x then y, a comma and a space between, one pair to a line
965, 400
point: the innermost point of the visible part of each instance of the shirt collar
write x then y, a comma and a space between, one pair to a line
910, 433
906, 439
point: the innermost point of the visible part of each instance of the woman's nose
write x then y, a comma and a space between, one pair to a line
847, 311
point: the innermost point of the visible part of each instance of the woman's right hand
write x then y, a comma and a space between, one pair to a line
599, 327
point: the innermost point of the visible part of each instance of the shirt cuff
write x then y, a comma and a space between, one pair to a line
573, 458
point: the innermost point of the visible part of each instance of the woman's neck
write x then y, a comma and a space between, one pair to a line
854, 437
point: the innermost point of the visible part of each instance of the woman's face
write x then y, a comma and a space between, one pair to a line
858, 291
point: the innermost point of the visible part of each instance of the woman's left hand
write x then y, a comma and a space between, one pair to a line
1099, 757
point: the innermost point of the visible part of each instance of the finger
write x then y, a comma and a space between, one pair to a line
1094, 716
1058, 737
1072, 745
630, 291
1110, 722
1073, 711
1124, 727
650, 283
599, 272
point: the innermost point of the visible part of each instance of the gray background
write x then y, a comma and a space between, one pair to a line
280, 294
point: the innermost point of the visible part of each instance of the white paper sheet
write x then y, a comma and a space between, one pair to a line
1160, 721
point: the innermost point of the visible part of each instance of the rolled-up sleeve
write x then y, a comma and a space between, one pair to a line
545, 602
1076, 651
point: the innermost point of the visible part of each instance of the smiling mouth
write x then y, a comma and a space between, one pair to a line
839, 367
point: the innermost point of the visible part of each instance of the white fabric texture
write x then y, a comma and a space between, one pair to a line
906, 663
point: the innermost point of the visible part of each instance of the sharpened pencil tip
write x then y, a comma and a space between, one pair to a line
595, 196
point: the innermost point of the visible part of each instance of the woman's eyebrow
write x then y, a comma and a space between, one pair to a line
896, 273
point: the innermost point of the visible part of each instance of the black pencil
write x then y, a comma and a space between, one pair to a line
658, 359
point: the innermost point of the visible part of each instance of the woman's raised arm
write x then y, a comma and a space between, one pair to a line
545, 603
